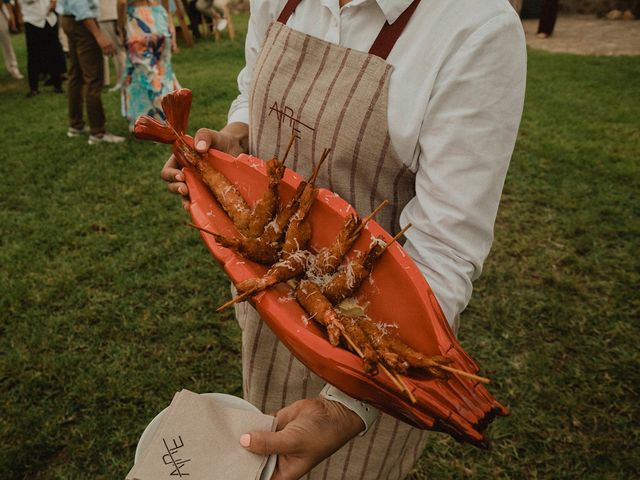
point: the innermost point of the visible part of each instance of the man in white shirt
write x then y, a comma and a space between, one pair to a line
428, 118
44, 52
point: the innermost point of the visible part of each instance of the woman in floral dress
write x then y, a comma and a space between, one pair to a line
149, 39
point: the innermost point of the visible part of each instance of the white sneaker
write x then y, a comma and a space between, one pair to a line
116, 87
76, 132
222, 24
105, 138
16, 74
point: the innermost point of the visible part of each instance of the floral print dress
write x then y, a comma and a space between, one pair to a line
148, 72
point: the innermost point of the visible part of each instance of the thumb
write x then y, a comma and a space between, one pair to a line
204, 139
269, 443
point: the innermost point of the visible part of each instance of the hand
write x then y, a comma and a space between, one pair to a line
174, 177
230, 139
105, 44
52, 5
308, 431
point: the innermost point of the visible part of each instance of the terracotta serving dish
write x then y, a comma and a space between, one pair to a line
397, 293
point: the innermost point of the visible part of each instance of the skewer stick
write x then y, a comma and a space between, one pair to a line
399, 234
316, 170
383, 204
286, 154
239, 298
464, 374
366, 219
236, 299
180, 138
396, 379
192, 225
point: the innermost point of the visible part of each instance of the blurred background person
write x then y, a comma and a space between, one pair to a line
148, 42
87, 44
194, 19
218, 12
44, 52
548, 15
10, 61
108, 20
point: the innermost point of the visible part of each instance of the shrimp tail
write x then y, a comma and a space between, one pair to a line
176, 106
148, 128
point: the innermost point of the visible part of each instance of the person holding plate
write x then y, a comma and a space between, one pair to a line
420, 103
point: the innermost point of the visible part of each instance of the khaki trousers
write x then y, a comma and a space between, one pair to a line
7, 48
86, 71
119, 58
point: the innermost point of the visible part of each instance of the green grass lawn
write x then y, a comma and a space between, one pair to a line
107, 300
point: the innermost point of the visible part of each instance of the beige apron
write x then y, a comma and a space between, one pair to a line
335, 97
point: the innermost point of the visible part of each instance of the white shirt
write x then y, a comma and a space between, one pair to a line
36, 12
455, 102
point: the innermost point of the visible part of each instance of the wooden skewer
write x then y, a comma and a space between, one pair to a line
286, 154
239, 298
236, 299
403, 386
316, 170
192, 225
181, 139
396, 379
465, 374
366, 219
399, 234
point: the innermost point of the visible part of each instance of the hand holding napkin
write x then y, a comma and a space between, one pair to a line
198, 437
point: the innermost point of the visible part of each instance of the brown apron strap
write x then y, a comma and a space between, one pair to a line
387, 37
390, 33
288, 10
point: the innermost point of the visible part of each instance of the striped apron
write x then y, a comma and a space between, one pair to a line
336, 97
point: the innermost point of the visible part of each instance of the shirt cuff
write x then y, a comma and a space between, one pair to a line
366, 412
238, 114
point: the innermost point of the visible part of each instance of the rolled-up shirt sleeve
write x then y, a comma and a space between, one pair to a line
79, 9
262, 14
465, 143
83, 10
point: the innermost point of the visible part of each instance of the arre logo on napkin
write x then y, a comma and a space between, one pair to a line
171, 458
198, 438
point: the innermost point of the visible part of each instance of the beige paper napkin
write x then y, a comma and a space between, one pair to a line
198, 438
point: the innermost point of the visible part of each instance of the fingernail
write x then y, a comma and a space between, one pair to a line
201, 145
182, 190
179, 177
245, 440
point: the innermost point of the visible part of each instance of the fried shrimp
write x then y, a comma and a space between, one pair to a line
265, 208
337, 325
396, 354
223, 190
329, 258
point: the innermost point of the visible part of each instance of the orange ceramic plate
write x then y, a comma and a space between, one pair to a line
396, 293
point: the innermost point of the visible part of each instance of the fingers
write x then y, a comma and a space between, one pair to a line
178, 188
270, 443
171, 171
205, 139
175, 179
